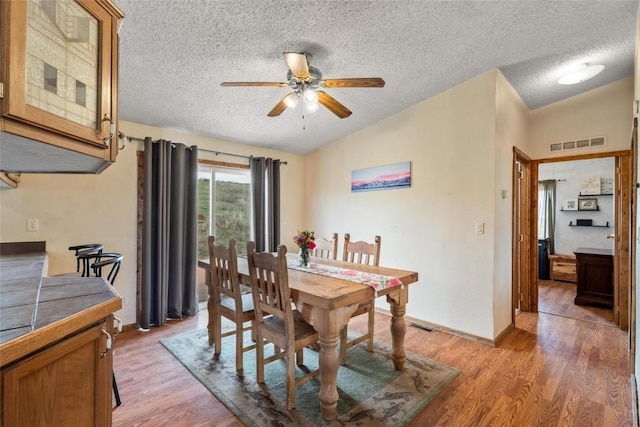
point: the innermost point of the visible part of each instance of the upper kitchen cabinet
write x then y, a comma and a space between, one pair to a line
59, 77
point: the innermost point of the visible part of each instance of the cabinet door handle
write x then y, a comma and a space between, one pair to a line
112, 128
117, 323
107, 343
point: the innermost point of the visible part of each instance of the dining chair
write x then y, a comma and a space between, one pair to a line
326, 248
284, 326
228, 299
360, 253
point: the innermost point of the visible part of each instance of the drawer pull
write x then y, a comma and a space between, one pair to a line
107, 343
117, 323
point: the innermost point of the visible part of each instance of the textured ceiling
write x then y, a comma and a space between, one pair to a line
175, 54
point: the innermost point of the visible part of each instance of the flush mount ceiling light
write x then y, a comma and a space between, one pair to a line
580, 74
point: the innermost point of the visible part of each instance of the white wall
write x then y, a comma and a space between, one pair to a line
450, 140
512, 126
604, 111
569, 176
77, 209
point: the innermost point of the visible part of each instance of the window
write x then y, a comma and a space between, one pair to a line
81, 93
49, 9
224, 209
50, 78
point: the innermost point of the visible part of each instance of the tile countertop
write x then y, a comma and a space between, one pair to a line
36, 311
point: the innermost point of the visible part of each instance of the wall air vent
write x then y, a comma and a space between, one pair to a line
578, 144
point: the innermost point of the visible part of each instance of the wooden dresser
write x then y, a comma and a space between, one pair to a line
563, 267
595, 277
55, 338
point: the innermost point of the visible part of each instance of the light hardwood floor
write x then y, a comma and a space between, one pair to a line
550, 371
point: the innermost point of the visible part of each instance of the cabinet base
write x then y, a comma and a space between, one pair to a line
597, 302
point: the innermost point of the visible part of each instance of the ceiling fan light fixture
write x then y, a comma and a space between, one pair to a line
291, 100
311, 107
581, 74
310, 96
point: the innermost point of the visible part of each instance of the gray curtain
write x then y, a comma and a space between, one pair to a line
169, 233
547, 212
265, 187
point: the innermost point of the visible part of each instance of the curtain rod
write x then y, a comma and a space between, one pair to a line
216, 152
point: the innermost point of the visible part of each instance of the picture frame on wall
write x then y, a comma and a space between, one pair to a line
606, 186
386, 177
588, 204
570, 205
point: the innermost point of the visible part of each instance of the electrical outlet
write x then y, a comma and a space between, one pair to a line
124, 300
32, 224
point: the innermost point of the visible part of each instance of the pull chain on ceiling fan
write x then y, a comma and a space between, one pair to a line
306, 82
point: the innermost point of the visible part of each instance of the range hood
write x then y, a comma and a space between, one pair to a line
24, 155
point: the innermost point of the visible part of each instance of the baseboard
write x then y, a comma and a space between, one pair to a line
504, 334
428, 325
129, 327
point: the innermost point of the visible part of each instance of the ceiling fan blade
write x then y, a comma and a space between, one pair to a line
278, 84
332, 105
297, 63
361, 82
279, 108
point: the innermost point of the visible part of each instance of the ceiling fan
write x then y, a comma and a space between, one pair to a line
306, 82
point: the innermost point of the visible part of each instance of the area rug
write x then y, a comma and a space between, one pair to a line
371, 392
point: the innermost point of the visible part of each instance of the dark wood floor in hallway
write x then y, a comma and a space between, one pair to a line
550, 371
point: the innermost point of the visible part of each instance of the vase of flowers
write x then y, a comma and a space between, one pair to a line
305, 241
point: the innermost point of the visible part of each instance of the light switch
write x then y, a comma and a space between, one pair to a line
479, 227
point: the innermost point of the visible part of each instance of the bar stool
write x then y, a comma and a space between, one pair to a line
95, 263
80, 252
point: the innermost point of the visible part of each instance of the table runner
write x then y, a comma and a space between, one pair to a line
376, 281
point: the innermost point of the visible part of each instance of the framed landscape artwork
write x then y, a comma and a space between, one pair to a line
588, 204
381, 178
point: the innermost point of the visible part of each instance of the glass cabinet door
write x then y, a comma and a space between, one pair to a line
62, 57
62, 60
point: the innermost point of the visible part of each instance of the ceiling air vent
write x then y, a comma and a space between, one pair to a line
580, 143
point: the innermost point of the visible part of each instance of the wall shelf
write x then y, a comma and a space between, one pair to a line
579, 210
594, 195
571, 224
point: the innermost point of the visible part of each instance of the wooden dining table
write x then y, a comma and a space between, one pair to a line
327, 303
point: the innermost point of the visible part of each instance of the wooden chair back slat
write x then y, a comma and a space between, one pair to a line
270, 285
361, 252
224, 271
326, 248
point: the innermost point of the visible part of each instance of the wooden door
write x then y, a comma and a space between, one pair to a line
521, 235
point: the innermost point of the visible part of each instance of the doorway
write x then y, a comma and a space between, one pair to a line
224, 211
571, 216
621, 231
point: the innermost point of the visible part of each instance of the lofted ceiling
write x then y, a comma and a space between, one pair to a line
175, 54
